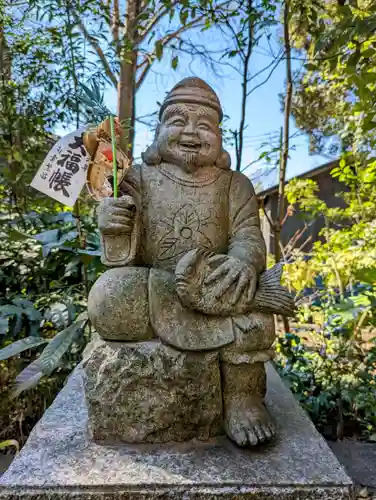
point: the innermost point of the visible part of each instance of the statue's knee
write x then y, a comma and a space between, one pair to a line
267, 328
255, 332
118, 305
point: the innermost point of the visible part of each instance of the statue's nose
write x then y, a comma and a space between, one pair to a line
189, 135
189, 129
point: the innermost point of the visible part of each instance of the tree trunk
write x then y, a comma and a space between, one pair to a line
5, 59
246, 58
285, 149
127, 80
286, 133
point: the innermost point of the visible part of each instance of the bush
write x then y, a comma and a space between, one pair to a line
329, 358
334, 381
45, 274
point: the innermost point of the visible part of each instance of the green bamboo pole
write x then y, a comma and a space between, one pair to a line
114, 163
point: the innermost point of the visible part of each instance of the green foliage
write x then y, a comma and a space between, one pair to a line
330, 360
334, 380
331, 366
92, 100
335, 96
49, 256
347, 251
45, 268
59, 297
42, 305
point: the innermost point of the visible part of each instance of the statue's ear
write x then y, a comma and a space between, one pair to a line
152, 156
224, 160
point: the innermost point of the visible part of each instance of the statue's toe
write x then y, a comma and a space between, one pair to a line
262, 431
269, 430
236, 432
249, 423
252, 437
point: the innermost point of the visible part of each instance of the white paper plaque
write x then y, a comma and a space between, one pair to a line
63, 173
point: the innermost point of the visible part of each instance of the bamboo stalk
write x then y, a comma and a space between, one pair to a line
114, 163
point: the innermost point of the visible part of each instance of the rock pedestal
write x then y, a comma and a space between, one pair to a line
61, 462
149, 392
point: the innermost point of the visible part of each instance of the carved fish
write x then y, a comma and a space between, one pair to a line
192, 269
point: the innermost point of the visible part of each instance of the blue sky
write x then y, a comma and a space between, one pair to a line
264, 114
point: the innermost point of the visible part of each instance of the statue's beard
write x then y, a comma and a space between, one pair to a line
188, 160
189, 157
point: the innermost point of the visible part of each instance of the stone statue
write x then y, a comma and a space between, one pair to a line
187, 290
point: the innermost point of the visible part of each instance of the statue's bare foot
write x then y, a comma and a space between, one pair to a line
247, 421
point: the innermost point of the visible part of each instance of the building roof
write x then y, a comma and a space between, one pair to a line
306, 175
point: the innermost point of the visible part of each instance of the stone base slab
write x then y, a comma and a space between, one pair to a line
60, 462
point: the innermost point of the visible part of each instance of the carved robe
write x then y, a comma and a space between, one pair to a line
176, 212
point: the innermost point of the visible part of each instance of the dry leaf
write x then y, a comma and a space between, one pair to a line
98, 142
363, 493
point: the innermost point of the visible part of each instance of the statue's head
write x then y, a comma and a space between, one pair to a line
189, 134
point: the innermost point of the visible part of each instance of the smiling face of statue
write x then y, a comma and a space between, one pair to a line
189, 136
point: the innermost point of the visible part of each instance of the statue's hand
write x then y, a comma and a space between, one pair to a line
232, 273
116, 215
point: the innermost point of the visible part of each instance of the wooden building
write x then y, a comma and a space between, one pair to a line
328, 189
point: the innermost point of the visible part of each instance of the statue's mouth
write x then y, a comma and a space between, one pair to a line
192, 147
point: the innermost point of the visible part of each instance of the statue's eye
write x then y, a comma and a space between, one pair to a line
177, 122
203, 126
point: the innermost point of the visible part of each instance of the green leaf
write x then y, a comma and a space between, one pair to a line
33, 315
175, 62
97, 92
27, 379
17, 156
94, 100
58, 346
371, 125
20, 346
15, 235
33, 329
48, 236
369, 77
232, 53
183, 16
8, 443
4, 325
159, 49
49, 359
310, 67
10, 310
366, 275
88, 92
21, 302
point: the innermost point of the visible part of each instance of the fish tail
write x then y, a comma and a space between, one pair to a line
271, 296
